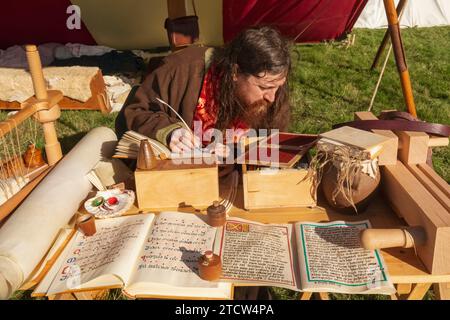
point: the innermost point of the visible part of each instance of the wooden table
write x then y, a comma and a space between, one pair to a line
409, 275
407, 272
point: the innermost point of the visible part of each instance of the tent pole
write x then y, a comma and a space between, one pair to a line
400, 58
176, 8
401, 5
383, 68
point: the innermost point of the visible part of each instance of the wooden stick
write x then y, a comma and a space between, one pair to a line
401, 5
46, 117
12, 122
399, 53
12, 203
176, 8
419, 291
37, 76
380, 77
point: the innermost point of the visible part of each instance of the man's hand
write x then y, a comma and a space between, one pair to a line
221, 150
182, 140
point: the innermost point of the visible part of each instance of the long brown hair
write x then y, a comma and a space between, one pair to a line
254, 51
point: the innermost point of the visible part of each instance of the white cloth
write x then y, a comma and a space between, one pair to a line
117, 90
29, 232
417, 13
16, 57
71, 50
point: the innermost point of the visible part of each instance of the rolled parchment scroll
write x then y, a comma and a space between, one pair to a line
29, 232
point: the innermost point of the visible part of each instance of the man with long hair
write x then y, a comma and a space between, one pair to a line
240, 86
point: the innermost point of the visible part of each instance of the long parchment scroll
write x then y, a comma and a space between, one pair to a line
29, 232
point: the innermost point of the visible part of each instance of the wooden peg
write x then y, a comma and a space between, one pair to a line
146, 158
210, 266
391, 238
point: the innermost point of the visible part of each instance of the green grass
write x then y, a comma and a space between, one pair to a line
329, 82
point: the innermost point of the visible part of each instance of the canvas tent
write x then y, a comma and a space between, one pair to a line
139, 24
130, 24
303, 21
417, 13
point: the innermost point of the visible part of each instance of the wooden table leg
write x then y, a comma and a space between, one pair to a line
394, 296
90, 295
62, 296
419, 291
323, 296
442, 291
404, 288
407, 291
305, 295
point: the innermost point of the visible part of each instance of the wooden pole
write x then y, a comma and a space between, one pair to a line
401, 5
385, 59
399, 53
49, 116
176, 8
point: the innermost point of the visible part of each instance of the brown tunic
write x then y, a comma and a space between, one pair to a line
178, 82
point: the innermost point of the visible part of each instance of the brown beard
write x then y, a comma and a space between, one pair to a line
255, 115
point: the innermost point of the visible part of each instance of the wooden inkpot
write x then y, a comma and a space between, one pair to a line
216, 214
210, 266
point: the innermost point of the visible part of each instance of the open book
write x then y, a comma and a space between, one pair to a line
152, 256
128, 148
303, 256
146, 255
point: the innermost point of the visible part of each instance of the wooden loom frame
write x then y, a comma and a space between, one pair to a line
44, 107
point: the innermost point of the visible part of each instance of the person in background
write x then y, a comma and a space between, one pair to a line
239, 86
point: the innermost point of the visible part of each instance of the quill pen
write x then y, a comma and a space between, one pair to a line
178, 115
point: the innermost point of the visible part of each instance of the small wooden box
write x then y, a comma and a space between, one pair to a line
171, 185
276, 188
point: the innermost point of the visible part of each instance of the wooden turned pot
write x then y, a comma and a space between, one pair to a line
216, 214
210, 266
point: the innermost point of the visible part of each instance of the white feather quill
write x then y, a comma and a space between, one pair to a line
178, 115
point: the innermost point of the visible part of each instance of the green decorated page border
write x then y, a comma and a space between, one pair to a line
380, 265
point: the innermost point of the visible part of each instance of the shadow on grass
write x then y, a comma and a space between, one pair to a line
68, 142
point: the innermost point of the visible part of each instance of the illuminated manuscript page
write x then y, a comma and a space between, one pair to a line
96, 260
171, 251
258, 253
331, 259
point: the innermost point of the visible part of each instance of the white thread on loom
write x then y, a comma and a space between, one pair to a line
13, 175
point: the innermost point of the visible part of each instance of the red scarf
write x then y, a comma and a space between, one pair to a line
206, 110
